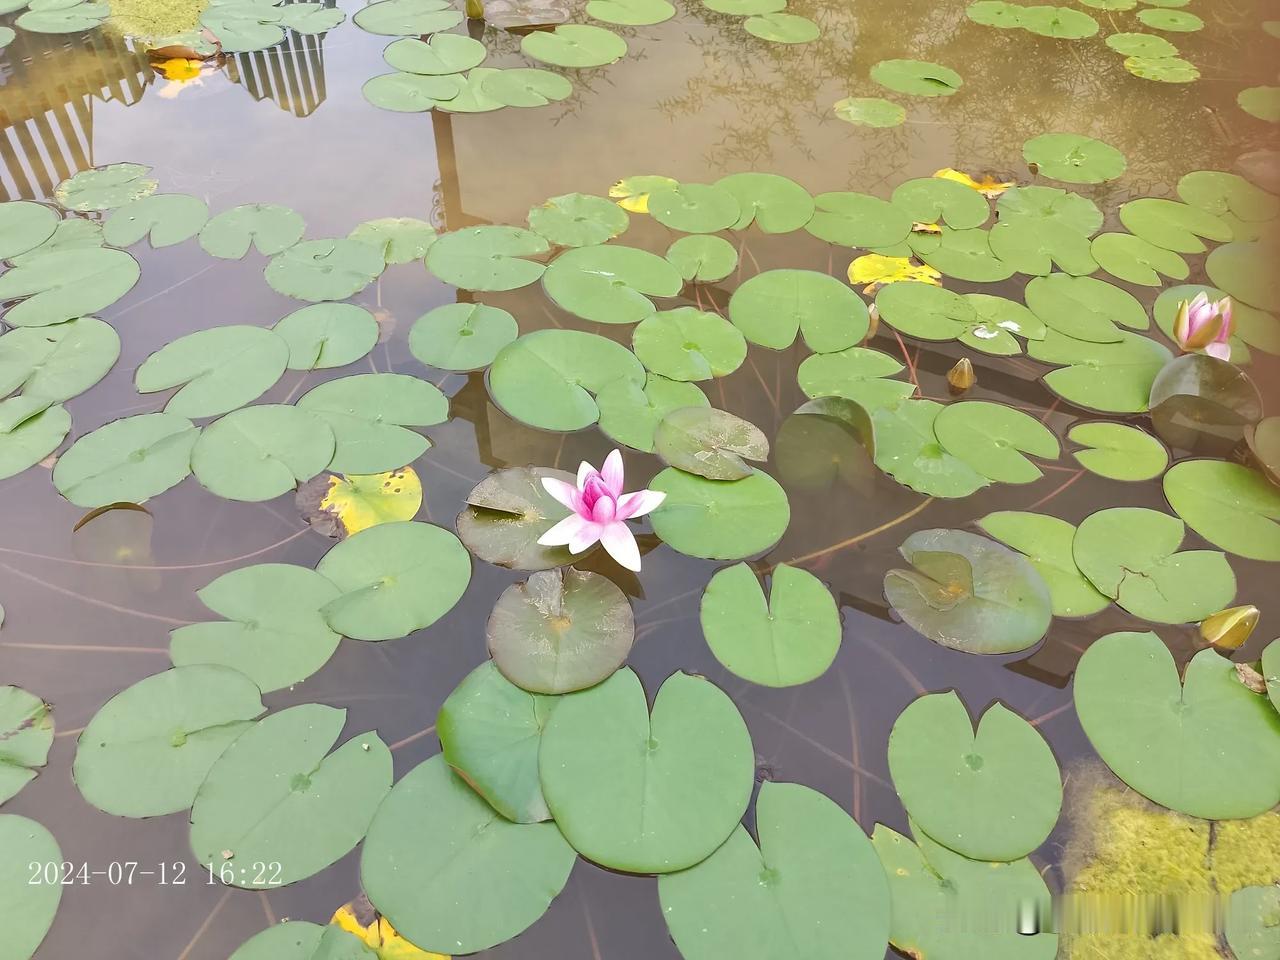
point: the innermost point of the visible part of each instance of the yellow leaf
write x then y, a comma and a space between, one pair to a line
919, 227
179, 69
875, 270
988, 186
632, 193
360, 502
360, 918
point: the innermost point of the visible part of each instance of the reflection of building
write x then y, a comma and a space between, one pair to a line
290, 74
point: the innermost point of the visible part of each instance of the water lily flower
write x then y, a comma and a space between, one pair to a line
600, 511
1204, 324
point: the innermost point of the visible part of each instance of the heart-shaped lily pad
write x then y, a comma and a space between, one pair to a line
260, 452
442, 53
908, 450
326, 335
870, 112
268, 227
299, 940
610, 283
1172, 225
1137, 260
407, 18
317, 270
1046, 542
858, 220
710, 442
487, 257
963, 254
574, 45
578, 220
66, 284
129, 460
218, 370
773, 203
1118, 451
689, 344
1073, 158
507, 512
634, 13
936, 199
1111, 377
462, 336
31, 428
993, 439
24, 225
1085, 308
57, 362
859, 374
166, 218
29, 907
918, 78
694, 208
105, 188
719, 519
1231, 506
26, 734
630, 413
703, 257
772, 307
1241, 269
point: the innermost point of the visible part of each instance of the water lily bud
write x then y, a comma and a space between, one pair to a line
961, 377
1229, 629
475, 9
873, 312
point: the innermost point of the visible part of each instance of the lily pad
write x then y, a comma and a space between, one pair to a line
146, 752
394, 578
58, 362
996, 13
490, 731
783, 641
870, 112
1241, 269
561, 630
487, 257
578, 219
813, 889
1231, 506
1049, 207
244, 26
1141, 45
1111, 377
407, 18
773, 203
462, 336
710, 442
610, 283
272, 632
908, 450
639, 794
998, 320
218, 370
969, 593
918, 78
1073, 158
1118, 451
1046, 542
1062, 23
310, 18
782, 28
1271, 671
29, 908
1172, 225
632, 13
299, 940
26, 734
443, 53
1034, 248
993, 794
719, 519
993, 439
409, 92
507, 512
1084, 308
933, 199
630, 413
1176, 21
470, 94
858, 220
317, 270
278, 796
74, 233
695, 207
963, 254
1162, 69
925, 311
772, 307
397, 239
1250, 924
129, 460
339, 506
261, 452
1131, 555
66, 284
104, 188
166, 218
1221, 193
267, 227
689, 344
574, 45
24, 225
435, 843
702, 258
327, 335
859, 374
30, 429
1137, 260
1202, 744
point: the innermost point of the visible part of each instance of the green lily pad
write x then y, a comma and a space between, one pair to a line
782, 28
272, 632
772, 307
487, 257
409, 92
561, 630
694, 207
1062, 23
918, 78
58, 362
1250, 925
26, 734
969, 593
998, 320
908, 450
858, 220
1141, 45
218, 370
709, 442
146, 752
245, 26
1162, 69
630, 413
1241, 269
1228, 193
72, 234
29, 908
1137, 260
933, 199
397, 239
925, 311
261, 452
1046, 543
993, 439
1231, 506
1111, 377
813, 889
66, 284
702, 258
574, 45
30, 430
443, 53
129, 460
996, 13
166, 218
104, 188
25, 225
578, 219
507, 512
407, 18
278, 796
990, 795
327, 335
1271, 671
1131, 555
1177, 21
1172, 225
610, 283
310, 18
1203, 744
631, 13
462, 336
1084, 308
870, 112
639, 794
859, 374
490, 731
689, 344
719, 519
1049, 207
773, 203
436, 843
395, 578
299, 940
963, 254
316, 270
267, 227
1073, 158
744, 8
369, 414
470, 94
1118, 451
547, 378
788, 639
1034, 248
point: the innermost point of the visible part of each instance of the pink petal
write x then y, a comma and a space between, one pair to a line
621, 545
565, 531
639, 503
588, 535
604, 510
584, 470
565, 493
612, 473
1220, 350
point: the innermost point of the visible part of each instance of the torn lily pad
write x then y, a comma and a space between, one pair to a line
26, 734
710, 442
339, 506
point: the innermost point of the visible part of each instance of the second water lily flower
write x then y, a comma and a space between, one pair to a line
1204, 324
600, 511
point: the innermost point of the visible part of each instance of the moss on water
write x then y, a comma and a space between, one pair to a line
154, 19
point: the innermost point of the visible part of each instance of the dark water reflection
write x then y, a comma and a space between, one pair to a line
88, 613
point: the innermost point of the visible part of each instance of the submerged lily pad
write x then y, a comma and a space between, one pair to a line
826, 440
326, 335
574, 45
1231, 506
610, 283
487, 257
709, 442
993, 439
1202, 744
26, 734
1073, 158
166, 218
57, 362
1046, 542
507, 512
772, 307
639, 794
870, 112
29, 908
719, 519
103, 188
773, 203
218, 370
630, 412
908, 450
689, 344
814, 888
268, 227
918, 78
578, 220
129, 460
561, 630
317, 270
66, 284
783, 641
462, 336
260, 452
1118, 451
146, 752
993, 794
969, 593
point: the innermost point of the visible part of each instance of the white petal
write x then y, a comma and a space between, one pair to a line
563, 492
621, 544
639, 503
586, 536
612, 473
584, 470
1220, 350
564, 532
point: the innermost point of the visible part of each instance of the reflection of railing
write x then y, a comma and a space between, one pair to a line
290, 74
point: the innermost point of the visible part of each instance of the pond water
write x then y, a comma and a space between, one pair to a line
88, 609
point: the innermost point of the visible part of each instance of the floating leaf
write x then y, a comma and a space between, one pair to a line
1241, 269
773, 203
870, 112
524, 87
814, 888
1263, 439
341, 506
58, 362
24, 225
1205, 746
407, 18
258, 453
772, 307
610, 284
218, 370
441, 54
436, 843
925, 311
1145, 45
487, 257
1082, 308
490, 731
1228, 193
277, 796
969, 593
1118, 451
639, 794
103, 188
632, 193
1271, 671
1136, 260
298, 940
272, 632
26, 734
630, 413
395, 578
1163, 69
66, 284
29, 907
931, 199
327, 335
633, 13
398, 239
1073, 158
470, 95
507, 512
918, 78
710, 442
129, 460
269, 228
310, 18
998, 320
875, 270
990, 795
146, 752
1046, 543
782, 28
703, 258
462, 336
1250, 924
963, 254
1034, 248
167, 218
578, 219
996, 13
1062, 23
993, 439
1231, 506
858, 374
1049, 207
908, 450
1111, 377
411, 92
719, 519
1177, 21
574, 45
1172, 225
858, 220
561, 630
783, 641
689, 344
316, 270
695, 207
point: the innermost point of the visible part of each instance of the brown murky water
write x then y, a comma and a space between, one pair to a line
88, 613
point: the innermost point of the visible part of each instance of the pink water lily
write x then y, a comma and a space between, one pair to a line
600, 511
1204, 324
